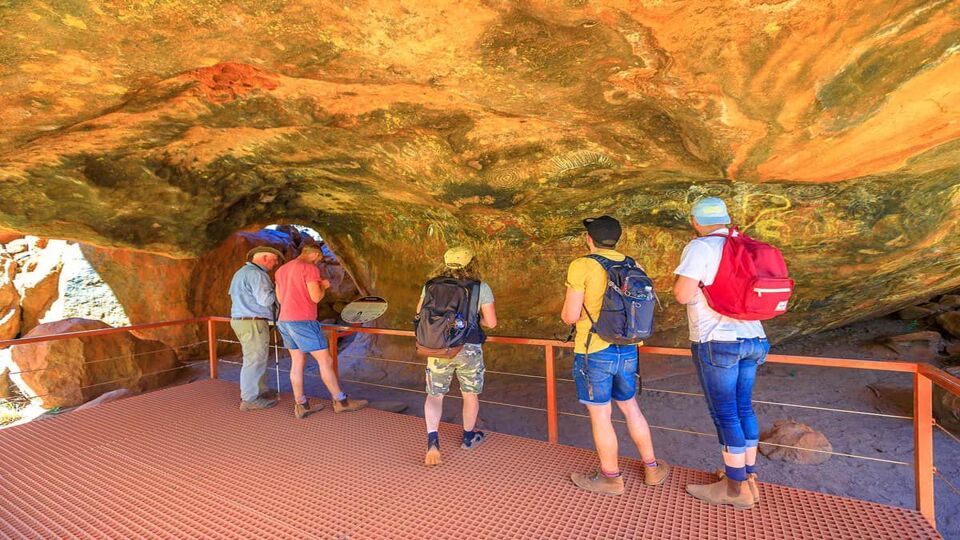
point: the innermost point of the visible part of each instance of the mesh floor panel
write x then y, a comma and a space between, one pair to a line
186, 463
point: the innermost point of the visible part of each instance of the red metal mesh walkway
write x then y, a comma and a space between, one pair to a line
185, 463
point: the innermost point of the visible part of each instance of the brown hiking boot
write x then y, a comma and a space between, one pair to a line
257, 404
716, 493
751, 483
598, 483
347, 405
302, 410
432, 457
655, 476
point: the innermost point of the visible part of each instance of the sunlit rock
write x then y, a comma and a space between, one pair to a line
396, 131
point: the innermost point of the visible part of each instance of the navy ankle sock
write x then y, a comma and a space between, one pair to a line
433, 439
752, 469
738, 474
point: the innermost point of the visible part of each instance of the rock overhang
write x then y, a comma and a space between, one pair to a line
501, 126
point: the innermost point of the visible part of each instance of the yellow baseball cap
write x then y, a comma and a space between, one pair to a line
457, 257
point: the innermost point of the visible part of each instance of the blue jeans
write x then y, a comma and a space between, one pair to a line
727, 371
607, 374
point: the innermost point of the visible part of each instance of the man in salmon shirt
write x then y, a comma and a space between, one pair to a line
299, 289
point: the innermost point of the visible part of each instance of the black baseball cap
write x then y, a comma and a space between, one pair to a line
604, 230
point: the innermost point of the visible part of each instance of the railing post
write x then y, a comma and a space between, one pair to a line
212, 347
551, 394
332, 345
923, 445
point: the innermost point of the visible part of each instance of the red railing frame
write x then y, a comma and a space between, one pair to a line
924, 377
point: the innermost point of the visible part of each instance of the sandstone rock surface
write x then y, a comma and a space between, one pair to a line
802, 436
916, 346
950, 322
399, 130
69, 372
9, 298
62, 280
946, 406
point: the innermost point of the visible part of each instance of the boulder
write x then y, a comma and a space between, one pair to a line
38, 283
802, 437
69, 372
9, 299
913, 313
950, 322
946, 406
918, 346
949, 302
64, 280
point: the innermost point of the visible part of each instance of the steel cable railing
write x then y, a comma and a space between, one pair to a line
114, 358
141, 376
578, 415
645, 388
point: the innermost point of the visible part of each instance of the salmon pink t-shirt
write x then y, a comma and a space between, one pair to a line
292, 293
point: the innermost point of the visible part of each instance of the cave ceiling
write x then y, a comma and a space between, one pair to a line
399, 128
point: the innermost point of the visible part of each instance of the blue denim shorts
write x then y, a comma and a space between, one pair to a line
607, 374
304, 335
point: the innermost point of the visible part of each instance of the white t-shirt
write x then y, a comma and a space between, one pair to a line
700, 261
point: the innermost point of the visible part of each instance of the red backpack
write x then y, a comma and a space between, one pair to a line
751, 282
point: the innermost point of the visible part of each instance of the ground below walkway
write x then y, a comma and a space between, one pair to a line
185, 463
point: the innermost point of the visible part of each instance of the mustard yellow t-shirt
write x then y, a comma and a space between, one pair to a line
588, 276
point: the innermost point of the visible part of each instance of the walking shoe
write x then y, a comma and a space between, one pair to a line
257, 404
301, 410
433, 456
347, 405
716, 493
655, 476
598, 483
474, 441
751, 483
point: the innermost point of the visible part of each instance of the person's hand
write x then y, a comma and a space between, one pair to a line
325, 283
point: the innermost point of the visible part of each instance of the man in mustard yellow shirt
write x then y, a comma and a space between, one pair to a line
604, 371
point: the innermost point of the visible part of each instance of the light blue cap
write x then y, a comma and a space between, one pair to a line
710, 211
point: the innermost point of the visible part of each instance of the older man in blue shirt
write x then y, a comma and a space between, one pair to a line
254, 302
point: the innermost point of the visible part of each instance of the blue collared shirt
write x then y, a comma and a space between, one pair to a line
252, 292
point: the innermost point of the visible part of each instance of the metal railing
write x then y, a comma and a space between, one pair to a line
924, 377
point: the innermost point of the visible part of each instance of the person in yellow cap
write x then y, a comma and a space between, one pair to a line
458, 272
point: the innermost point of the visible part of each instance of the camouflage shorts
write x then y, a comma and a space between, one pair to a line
468, 365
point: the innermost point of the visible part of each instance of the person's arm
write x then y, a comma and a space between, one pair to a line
572, 306
263, 291
488, 315
684, 289
690, 272
316, 290
576, 289
316, 285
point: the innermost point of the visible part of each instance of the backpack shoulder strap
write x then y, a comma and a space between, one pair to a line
604, 262
474, 301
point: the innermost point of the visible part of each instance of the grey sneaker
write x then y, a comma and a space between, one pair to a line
474, 441
257, 404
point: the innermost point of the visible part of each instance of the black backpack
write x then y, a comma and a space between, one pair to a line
449, 313
626, 316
